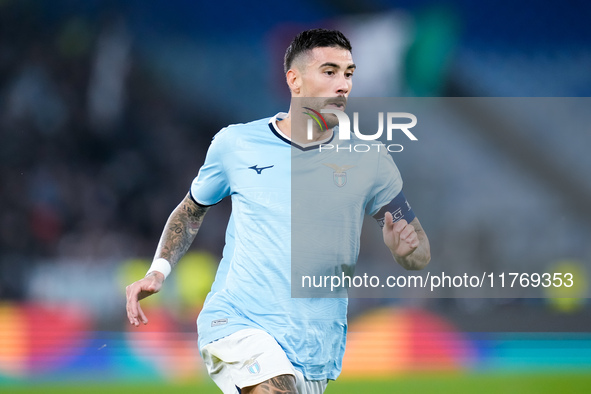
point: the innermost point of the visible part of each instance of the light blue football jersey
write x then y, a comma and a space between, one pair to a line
289, 204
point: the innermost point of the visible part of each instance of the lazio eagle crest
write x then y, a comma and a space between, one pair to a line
252, 365
339, 175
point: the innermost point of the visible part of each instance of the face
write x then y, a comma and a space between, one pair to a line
323, 78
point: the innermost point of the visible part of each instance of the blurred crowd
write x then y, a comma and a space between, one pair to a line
104, 124
93, 153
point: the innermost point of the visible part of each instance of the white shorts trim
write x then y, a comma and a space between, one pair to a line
249, 357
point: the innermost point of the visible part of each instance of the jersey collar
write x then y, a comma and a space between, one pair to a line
275, 129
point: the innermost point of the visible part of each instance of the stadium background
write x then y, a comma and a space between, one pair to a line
107, 108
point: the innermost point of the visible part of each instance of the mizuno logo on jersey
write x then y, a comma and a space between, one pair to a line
259, 170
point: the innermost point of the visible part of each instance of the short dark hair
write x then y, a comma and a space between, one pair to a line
314, 38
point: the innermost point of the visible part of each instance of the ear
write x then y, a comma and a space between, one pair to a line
294, 80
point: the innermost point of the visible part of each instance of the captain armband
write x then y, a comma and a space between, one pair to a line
398, 207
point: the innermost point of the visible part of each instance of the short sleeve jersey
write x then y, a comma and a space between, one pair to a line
290, 204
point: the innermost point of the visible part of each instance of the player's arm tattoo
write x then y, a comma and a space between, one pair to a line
282, 384
421, 256
180, 230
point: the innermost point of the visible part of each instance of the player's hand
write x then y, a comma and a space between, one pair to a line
139, 290
400, 237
